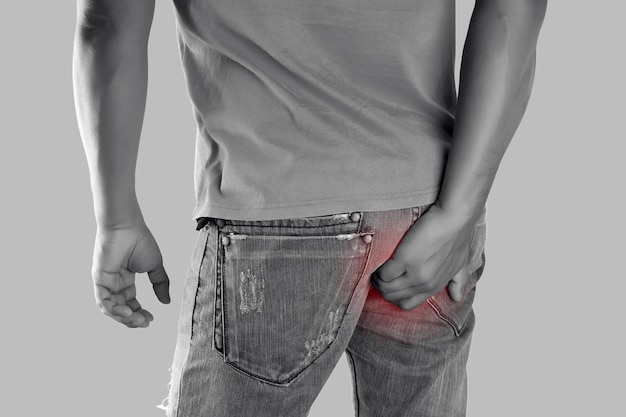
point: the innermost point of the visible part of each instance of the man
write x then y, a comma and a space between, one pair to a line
341, 187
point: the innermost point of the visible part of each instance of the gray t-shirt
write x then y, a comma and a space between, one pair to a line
307, 108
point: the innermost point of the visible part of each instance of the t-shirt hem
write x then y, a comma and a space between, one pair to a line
320, 208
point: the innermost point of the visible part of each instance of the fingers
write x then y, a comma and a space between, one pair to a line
130, 314
412, 302
113, 281
456, 286
390, 270
119, 302
408, 292
160, 283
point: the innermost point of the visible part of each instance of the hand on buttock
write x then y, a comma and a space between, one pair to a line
432, 255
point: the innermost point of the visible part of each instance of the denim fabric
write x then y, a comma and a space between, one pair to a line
270, 306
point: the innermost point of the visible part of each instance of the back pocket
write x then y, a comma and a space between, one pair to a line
284, 299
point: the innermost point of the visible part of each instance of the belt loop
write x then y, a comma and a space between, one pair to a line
415, 213
202, 222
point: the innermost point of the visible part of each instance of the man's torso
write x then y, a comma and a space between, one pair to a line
311, 108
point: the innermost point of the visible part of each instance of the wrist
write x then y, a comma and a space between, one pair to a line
464, 192
463, 206
117, 213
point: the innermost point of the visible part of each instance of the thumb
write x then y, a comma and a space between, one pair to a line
160, 283
456, 286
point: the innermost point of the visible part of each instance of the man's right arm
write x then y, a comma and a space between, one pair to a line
110, 84
110, 73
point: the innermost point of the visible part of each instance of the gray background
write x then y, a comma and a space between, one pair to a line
548, 340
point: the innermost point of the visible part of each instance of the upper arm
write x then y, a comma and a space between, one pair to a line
130, 19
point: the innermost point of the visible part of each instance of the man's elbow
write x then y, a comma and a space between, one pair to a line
94, 21
100, 20
529, 13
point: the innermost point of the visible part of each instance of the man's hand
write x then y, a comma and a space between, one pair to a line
118, 255
432, 255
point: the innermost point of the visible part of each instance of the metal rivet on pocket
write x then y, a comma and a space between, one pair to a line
225, 240
355, 217
367, 238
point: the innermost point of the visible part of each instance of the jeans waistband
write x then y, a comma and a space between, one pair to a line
330, 219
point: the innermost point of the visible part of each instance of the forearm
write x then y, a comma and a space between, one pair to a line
496, 80
110, 84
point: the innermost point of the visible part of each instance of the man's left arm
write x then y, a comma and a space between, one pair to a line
496, 79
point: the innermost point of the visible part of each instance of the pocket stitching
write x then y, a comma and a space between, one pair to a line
439, 312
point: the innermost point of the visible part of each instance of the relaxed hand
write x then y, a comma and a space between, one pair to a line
118, 255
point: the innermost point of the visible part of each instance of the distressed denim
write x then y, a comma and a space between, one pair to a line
270, 306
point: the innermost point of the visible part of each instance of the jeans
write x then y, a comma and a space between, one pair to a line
270, 306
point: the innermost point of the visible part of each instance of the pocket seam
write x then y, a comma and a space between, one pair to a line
203, 259
439, 312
